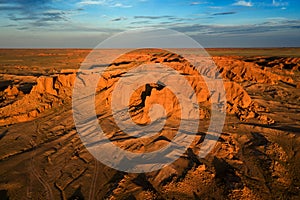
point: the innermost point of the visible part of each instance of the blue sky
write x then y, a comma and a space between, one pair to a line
85, 23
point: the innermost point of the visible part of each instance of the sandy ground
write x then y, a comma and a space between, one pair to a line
256, 157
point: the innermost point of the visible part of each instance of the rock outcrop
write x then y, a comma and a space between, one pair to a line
239, 71
56, 89
45, 85
48, 92
11, 91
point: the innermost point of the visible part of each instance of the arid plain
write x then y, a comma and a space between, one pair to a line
256, 157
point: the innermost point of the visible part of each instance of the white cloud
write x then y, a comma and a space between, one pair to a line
216, 7
243, 3
120, 5
107, 3
197, 3
88, 2
279, 3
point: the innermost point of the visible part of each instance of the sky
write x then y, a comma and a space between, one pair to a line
85, 23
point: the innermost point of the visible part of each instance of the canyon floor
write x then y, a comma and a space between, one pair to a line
256, 157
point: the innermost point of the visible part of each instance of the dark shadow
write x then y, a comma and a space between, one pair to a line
26, 87
289, 84
193, 161
141, 180
144, 94
162, 138
225, 174
3, 134
276, 127
98, 66
258, 139
130, 197
171, 60
77, 195
120, 63
147, 93
5, 84
116, 178
4, 195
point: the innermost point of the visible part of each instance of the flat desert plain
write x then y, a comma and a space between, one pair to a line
257, 155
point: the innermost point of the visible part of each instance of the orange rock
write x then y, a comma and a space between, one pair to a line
64, 84
239, 71
45, 85
11, 91
236, 95
65, 81
33, 113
